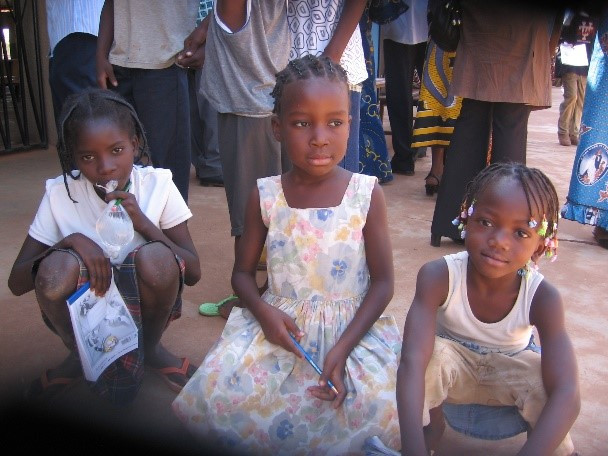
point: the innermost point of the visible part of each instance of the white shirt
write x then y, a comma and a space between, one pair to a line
58, 217
312, 24
70, 16
410, 27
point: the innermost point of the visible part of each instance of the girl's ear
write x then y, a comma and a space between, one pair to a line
136, 150
540, 250
276, 127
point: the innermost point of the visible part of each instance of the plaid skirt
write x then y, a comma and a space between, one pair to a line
121, 380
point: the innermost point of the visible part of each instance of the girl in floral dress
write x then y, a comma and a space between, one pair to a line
330, 277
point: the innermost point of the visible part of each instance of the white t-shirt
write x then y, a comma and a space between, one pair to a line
410, 27
312, 24
58, 216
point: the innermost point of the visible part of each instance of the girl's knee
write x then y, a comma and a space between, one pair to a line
57, 276
156, 266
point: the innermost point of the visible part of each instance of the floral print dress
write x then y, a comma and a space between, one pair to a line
251, 395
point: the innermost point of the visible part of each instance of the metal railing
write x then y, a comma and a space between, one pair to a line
22, 111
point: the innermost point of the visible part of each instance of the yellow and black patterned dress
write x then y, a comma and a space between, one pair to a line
437, 111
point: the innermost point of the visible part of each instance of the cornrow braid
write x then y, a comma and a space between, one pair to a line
305, 68
88, 105
540, 193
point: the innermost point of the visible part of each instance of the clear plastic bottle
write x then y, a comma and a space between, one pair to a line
114, 225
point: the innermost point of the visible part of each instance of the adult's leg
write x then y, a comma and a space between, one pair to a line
581, 84
399, 64
567, 107
248, 151
203, 125
351, 159
509, 132
465, 157
72, 68
162, 103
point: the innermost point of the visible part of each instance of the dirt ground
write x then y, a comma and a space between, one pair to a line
79, 422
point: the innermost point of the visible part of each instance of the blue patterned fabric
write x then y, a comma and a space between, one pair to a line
587, 200
373, 152
204, 8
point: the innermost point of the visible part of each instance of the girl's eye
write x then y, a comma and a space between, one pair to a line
485, 222
335, 123
522, 234
301, 123
86, 158
117, 150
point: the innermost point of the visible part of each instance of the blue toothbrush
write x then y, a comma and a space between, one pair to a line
312, 363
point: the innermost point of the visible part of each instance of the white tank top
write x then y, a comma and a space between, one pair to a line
456, 320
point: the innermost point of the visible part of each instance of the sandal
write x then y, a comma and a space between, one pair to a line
212, 309
167, 372
431, 189
44, 388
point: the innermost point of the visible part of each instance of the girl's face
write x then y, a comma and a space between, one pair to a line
104, 151
498, 236
313, 124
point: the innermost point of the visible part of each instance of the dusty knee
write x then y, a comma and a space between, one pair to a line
156, 266
57, 276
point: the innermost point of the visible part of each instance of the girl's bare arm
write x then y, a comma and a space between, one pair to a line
559, 371
276, 324
418, 343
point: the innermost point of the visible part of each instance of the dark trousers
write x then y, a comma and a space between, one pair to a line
72, 68
203, 123
467, 153
161, 100
400, 60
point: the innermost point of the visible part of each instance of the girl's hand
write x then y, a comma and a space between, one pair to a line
130, 204
98, 266
277, 325
333, 369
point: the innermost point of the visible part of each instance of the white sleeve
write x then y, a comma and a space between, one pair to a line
176, 210
44, 228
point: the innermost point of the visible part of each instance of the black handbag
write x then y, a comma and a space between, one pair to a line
445, 21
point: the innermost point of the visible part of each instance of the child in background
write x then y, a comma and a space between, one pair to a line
337, 37
470, 324
330, 277
101, 134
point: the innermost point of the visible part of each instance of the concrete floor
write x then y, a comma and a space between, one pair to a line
27, 347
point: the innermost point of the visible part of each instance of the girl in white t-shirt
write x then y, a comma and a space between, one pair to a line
101, 139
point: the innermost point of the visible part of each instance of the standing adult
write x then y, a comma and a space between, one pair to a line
72, 26
587, 200
576, 45
136, 51
404, 43
502, 71
203, 123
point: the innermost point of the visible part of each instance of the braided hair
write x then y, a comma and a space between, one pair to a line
91, 104
539, 191
305, 68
